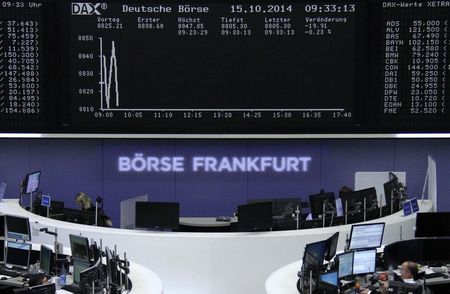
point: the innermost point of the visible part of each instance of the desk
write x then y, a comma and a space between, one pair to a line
205, 263
143, 280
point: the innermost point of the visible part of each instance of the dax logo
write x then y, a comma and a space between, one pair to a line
87, 8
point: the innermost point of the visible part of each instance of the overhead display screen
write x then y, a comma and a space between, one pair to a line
224, 67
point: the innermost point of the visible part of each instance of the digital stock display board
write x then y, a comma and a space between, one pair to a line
224, 67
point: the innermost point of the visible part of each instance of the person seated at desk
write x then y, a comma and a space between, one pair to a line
38, 279
85, 203
409, 274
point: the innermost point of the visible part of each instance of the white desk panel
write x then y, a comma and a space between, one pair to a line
208, 263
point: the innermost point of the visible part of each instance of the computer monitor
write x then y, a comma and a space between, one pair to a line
433, 224
89, 275
286, 206
83, 217
2, 251
402, 287
18, 228
18, 254
392, 188
80, 247
345, 264
364, 261
45, 259
318, 250
255, 216
310, 274
326, 288
370, 194
157, 215
316, 203
43, 289
2, 225
31, 182
365, 236
331, 246
330, 278
78, 267
352, 202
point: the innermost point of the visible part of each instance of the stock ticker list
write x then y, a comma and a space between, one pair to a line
20, 60
416, 65
270, 63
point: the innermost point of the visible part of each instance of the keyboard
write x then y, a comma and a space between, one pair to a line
9, 272
74, 288
434, 275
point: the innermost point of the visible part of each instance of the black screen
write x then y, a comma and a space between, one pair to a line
310, 273
18, 254
432, 224
286, 206
332, 243
370, 194
18, 228
354, 201
43, 289
2, 250
391, 192
316, 203
157, 215
2, 226
45, 259
317, 249
255, 216
80, 247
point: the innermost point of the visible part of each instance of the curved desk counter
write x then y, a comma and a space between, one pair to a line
207, 263
284, 280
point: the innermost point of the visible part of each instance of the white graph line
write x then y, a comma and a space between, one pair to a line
106, 76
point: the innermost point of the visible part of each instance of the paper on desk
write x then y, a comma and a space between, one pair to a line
426, 269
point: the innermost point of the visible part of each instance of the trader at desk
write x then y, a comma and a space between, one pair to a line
85, 203
409, 274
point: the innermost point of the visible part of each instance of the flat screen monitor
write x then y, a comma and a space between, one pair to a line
331, 246
157, 215
345, 264
112, 267
316, 203
43, 289
18, 227
318, 250
78, 267
286, 206
402, 287
310, 274
366, 236
45, 257
255, 216
391, 188
2, 250
2, 225
18, 254
89, 275
433, 224
370, 194
80, 247
330, 278
364, 261
31, 183
352, 201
